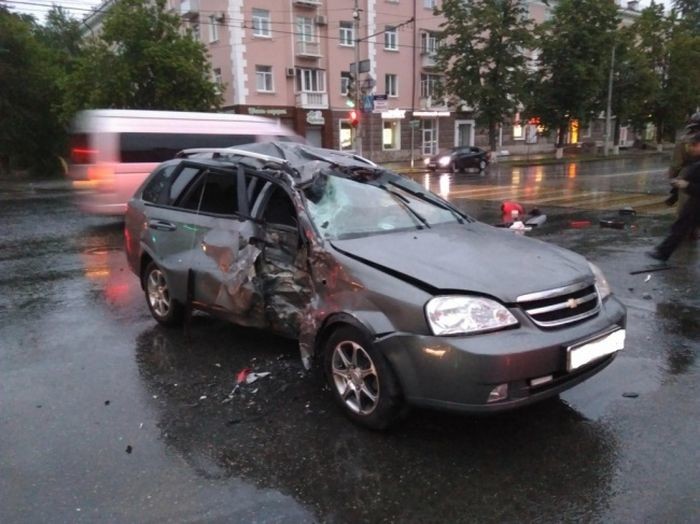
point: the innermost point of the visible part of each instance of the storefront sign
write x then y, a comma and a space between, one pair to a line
268, 111
393, 114
315, 118
431, 114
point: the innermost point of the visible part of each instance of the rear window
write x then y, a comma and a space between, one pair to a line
158, 147
156, 190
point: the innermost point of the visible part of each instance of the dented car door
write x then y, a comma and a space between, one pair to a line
222, 279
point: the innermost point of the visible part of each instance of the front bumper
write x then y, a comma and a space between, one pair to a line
458, 373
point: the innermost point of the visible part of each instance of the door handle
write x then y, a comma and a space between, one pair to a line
162, 225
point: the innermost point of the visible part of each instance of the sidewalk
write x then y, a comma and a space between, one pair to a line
537, 159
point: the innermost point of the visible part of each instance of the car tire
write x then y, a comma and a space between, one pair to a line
482, 165
361, 380
164, 308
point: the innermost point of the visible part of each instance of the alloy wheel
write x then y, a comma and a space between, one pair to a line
355, 377
158, 293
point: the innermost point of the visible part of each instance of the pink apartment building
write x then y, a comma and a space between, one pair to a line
291, 60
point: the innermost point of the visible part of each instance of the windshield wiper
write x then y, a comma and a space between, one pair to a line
422, 196
406, 203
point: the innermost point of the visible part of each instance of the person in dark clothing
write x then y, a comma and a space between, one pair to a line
689, 214
681, 158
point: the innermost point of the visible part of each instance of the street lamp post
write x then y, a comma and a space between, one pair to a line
356, 28
608, 112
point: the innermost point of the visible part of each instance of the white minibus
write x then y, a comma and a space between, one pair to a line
113, 150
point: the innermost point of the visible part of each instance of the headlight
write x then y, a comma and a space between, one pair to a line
444, 160
600, 281
452, 315
426, 161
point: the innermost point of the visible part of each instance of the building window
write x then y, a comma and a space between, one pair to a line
428, 43
391, 85
261, 23
429, 135
263, 78
213, 29
311, 80
345, 79
430, 4
216, 77
391, 135
428, 85
345, 142
194, 28
305, 29
391, 38
347, 34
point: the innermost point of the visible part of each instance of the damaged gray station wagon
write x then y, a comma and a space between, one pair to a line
402, 298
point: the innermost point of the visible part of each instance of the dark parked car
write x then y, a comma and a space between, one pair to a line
458, 159
401, 297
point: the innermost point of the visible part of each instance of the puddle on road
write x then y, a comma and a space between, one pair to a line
593, 397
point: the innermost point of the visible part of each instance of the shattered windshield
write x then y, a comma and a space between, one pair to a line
345, 208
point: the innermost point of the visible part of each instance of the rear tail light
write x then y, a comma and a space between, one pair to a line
102, 177
80, 152
82, 155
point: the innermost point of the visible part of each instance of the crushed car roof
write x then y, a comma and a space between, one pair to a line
300, 161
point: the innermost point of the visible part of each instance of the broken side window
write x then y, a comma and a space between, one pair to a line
219, 194
155, 191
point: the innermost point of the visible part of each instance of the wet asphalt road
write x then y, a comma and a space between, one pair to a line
104, 416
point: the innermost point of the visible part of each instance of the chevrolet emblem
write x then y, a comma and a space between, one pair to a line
572, 303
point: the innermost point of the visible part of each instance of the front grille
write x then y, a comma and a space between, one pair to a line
560, 306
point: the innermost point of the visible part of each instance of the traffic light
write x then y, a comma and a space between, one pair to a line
354, 118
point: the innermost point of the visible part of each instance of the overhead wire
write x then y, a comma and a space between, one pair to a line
241, 24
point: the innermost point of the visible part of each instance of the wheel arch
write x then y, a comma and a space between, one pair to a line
145, 259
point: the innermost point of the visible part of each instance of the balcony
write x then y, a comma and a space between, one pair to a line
310, 100
433, 103
189, 9
306, 49
428, 60
308, 3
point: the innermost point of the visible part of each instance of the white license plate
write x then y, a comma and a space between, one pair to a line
578, 356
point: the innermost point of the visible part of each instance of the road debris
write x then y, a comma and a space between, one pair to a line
630, 394
648, 278
129, 449
627, 211
579, 224
651, 269
252, 377
611, 224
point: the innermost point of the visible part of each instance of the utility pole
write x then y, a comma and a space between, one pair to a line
356, 30
608, 113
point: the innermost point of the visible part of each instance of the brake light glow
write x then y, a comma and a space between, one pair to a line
81, 155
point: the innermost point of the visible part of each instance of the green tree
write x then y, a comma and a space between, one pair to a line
141, 60
633, 83
689, 11
672, 52
574, 48
482, 52
30, 135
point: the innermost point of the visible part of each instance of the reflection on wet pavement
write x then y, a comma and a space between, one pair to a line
581, 186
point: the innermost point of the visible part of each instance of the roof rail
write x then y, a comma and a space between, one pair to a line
230, 151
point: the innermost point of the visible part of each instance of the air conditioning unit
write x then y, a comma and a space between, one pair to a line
290, 72
220, 18
321, 20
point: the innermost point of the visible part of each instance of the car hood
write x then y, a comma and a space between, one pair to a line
471, 257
